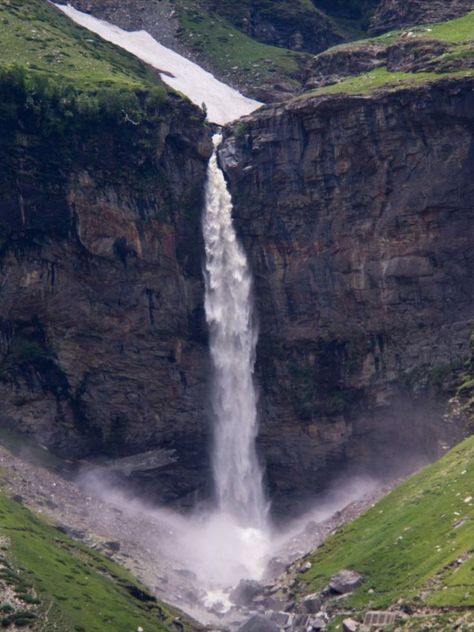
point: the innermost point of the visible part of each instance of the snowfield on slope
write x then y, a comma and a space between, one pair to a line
223, 103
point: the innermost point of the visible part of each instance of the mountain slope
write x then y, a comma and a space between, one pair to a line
428, 52
415, 548
50, 582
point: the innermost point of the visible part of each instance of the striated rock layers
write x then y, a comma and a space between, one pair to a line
102, 333
357, 215
393, 14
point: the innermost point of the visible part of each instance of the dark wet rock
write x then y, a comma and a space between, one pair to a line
112, 546
257, 623
138, 593
345, 581
275, 567
246, 592
77, 534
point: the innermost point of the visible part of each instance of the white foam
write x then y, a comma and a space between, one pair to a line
223, 103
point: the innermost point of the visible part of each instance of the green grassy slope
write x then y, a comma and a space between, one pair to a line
61, 74
381, 78
235, 56
38, 38
284, 17
58, 584
458, 34
415, 548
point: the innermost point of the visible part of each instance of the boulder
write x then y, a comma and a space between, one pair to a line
318, 623
276, 566
349, 625
312, 603
257, 623
345, 581
282, 619
245, 592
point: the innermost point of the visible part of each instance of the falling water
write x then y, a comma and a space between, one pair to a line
233, 337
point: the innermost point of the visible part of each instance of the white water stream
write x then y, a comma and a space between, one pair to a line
233, 337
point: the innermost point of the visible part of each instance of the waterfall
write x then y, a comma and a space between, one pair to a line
233, 338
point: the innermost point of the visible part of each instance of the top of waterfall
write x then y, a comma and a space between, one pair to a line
223, 103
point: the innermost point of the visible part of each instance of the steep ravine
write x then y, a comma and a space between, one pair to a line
357, 216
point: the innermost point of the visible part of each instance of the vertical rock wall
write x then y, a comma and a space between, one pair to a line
102, 333
357, 214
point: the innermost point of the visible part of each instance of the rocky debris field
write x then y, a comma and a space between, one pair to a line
141, 539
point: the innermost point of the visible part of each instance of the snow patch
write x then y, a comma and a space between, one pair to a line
223, 103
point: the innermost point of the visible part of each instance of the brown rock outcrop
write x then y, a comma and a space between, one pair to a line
357, 215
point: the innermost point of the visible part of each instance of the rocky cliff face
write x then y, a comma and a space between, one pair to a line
393, 14
357, 215
102, 339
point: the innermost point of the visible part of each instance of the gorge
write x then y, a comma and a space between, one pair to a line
307, 273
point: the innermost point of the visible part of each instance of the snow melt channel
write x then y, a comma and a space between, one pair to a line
223, 103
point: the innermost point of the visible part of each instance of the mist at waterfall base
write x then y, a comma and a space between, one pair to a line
207, 551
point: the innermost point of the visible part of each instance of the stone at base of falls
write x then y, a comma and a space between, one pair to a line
257, 623
283, 619
275, 567
245, 592
349, 625
143, 462
345, 581
312, 603
318, 624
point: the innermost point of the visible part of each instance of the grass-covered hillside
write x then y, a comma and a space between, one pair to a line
415, 550
258, 68
399, 58
37, 37
47, 61
49, 582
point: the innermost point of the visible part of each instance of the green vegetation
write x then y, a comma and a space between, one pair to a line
60, 584
226, 35
55, 75
235, 54
457, 34
415, 548
382, 78
38, 38
454, 31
